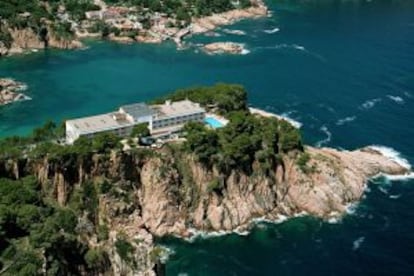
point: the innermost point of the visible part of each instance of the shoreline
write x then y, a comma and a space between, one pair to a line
261, 112
156, 34
332, 218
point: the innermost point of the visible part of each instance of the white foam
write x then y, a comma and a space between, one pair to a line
408, 94
284, 46
383, 190
212, 34
293, 122
392, 154
299, 47
370, 103
351, 208
272, 31
245, 51
345, 120
357, 243
166, 252
396, 99
334, 218
401, 177
241, 231
325, 130
395, 196
234, 32
21, 87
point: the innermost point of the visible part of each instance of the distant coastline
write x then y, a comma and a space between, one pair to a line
120, 24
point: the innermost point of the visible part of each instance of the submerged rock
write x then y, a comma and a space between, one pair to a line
10, 91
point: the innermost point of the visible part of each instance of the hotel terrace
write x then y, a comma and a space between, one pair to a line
162, 120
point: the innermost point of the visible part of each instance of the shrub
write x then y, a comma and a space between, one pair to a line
124, 249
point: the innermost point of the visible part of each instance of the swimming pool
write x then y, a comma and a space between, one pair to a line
213, 122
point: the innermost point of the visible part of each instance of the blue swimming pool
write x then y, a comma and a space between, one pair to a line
213, 122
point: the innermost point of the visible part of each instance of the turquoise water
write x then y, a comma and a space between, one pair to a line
214, 123
344, 69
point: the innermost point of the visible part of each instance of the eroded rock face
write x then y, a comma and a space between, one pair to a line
168, 203
3, 49
338, 178
208, 23
175, 195
27, 39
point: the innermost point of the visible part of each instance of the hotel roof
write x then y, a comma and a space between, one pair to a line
172, 109
97, 123
137, 110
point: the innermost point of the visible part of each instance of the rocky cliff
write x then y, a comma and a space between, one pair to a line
26, 39
170, 193
335, 179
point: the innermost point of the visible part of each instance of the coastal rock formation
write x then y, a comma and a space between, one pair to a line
209, 23
224, 47
26, 39
119, 25
173, 195
337, 179
144, 194
3, 49
10, 91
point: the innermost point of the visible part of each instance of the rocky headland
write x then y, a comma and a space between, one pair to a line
209, 23
10, 91
254, 168
170, 194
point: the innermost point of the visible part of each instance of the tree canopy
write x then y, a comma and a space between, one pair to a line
243, 141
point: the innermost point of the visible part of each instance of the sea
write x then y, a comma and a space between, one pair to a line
343, 69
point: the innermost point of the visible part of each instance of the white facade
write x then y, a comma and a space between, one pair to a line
167, 117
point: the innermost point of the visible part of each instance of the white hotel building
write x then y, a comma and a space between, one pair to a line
162, 119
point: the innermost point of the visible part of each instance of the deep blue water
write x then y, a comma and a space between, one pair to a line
345, 69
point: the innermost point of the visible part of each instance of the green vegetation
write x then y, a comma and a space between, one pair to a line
303, 163
44, 141
33, 231
213, 185
183, 9
245, 140
224, 98
61, 16
140, 130
156, 253
36, 232
124, 249
78, 8
95, 258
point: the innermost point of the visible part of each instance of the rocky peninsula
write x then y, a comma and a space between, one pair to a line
10, 91
216, 180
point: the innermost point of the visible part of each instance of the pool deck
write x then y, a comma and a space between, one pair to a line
263, 113
222, 120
